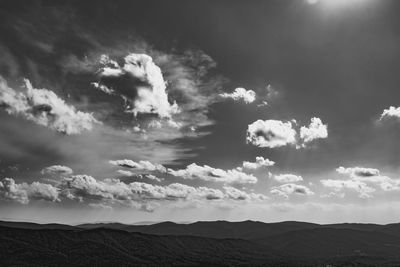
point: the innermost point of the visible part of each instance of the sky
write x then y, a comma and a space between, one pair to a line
137, 111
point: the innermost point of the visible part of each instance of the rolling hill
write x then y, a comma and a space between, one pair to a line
218, 243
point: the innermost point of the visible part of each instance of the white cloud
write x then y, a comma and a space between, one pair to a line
139, 81
45, 108
358, 171
288, 178
363, 190
260, 162
207, 173
141, 176
24, 192
57, 170
391, 112
236, 194
110, 191
248, 96
288, 189
271, 133
141, 165
316, 130
370, 176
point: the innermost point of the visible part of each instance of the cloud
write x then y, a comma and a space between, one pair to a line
139, 81
260, 162
45, 108
288, 189
271, 133
141, 165
236, 194
85, 188
363, 190
391, 112
141, 176
276, 133
25, 192
248, 96
288, 178
192, 171
370, 176
358, 171
57, 170
316, 130
207, 173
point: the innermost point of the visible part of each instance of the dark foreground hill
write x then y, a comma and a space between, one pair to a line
218, 243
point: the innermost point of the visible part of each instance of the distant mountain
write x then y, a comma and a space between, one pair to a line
218, 243
250, 230
29, 225
214, 229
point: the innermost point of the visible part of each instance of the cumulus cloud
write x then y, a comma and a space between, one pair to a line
370, 176
316, 130
358, 171
25, 192
271, 133
391, 112
110, 192
45, 108
288, 178
276, 133
139, 81
85, 188
363, 190
260, 162
288, 189
248, 96
141, 176
141, 165
57, 170
192, 171
236, 194
207, 173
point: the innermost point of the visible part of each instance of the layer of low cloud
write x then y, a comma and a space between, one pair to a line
288, 178
247, 96
111, 192
45, 108
25, 192
194, 171
207, 173
364, 181
358, 171
140, 165
286, 190
363, 190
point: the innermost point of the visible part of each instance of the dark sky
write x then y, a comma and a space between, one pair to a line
335, 61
